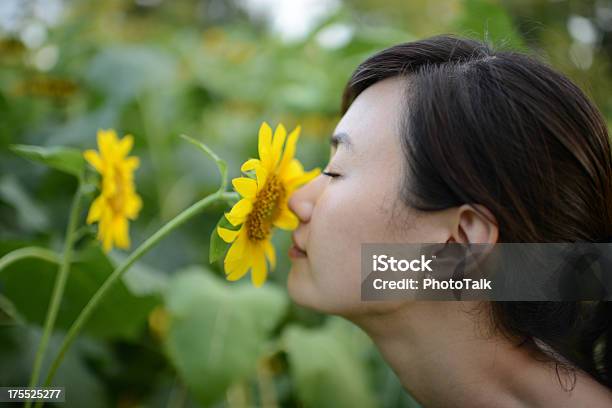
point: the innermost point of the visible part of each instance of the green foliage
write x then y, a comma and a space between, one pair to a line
125, 72
28, 285
217, 332
328, 366
64, 159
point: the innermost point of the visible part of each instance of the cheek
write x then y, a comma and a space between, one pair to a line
341, 221
354, 211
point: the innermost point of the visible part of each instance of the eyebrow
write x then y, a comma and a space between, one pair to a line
341, 138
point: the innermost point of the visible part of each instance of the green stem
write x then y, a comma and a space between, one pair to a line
58, 289
83, 231
28, 252
80, 321
231, 198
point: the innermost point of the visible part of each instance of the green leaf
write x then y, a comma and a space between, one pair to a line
64, 159
124, 72
217, 245
28, 283
218, 330
327, 367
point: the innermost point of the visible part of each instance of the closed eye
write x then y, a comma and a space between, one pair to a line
329, 174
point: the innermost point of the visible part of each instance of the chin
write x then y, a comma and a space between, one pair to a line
301, 288
295, 285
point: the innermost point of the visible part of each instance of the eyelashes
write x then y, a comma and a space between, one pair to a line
329, 174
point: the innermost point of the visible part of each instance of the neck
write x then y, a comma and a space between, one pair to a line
445, 354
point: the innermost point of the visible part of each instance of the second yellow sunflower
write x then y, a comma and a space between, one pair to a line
118, 201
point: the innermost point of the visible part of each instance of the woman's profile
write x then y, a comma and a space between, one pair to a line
447, 140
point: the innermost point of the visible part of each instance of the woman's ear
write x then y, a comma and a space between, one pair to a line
474, 224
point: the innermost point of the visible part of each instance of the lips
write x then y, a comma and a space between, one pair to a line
296, 250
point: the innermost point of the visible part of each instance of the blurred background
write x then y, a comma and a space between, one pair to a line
214, 70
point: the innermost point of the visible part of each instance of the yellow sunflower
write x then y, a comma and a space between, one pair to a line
118, 200
263, 204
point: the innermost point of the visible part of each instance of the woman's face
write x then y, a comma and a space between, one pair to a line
360, 205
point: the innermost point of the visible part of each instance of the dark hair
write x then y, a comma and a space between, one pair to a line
505, 130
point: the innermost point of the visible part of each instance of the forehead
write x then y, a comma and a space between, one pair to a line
372, 120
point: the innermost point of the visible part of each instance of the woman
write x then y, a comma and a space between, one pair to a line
446, 140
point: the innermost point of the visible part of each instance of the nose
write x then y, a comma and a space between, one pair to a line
303, 200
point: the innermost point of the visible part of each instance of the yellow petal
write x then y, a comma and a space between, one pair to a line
125, 145
227, 235
107, 239
280, 134
107, 141
292, 170
94, 159
239, 273
250, 164
265, 145
133, 206
270, 253
302, 179
246, 187
289, 149
241, 209
121, 233
236, 253
286, 220
95, 211
259, 271
239, 268
130, 163
233, 220
109, 184
262, 176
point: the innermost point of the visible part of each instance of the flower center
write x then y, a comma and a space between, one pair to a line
116, 201
265, 208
